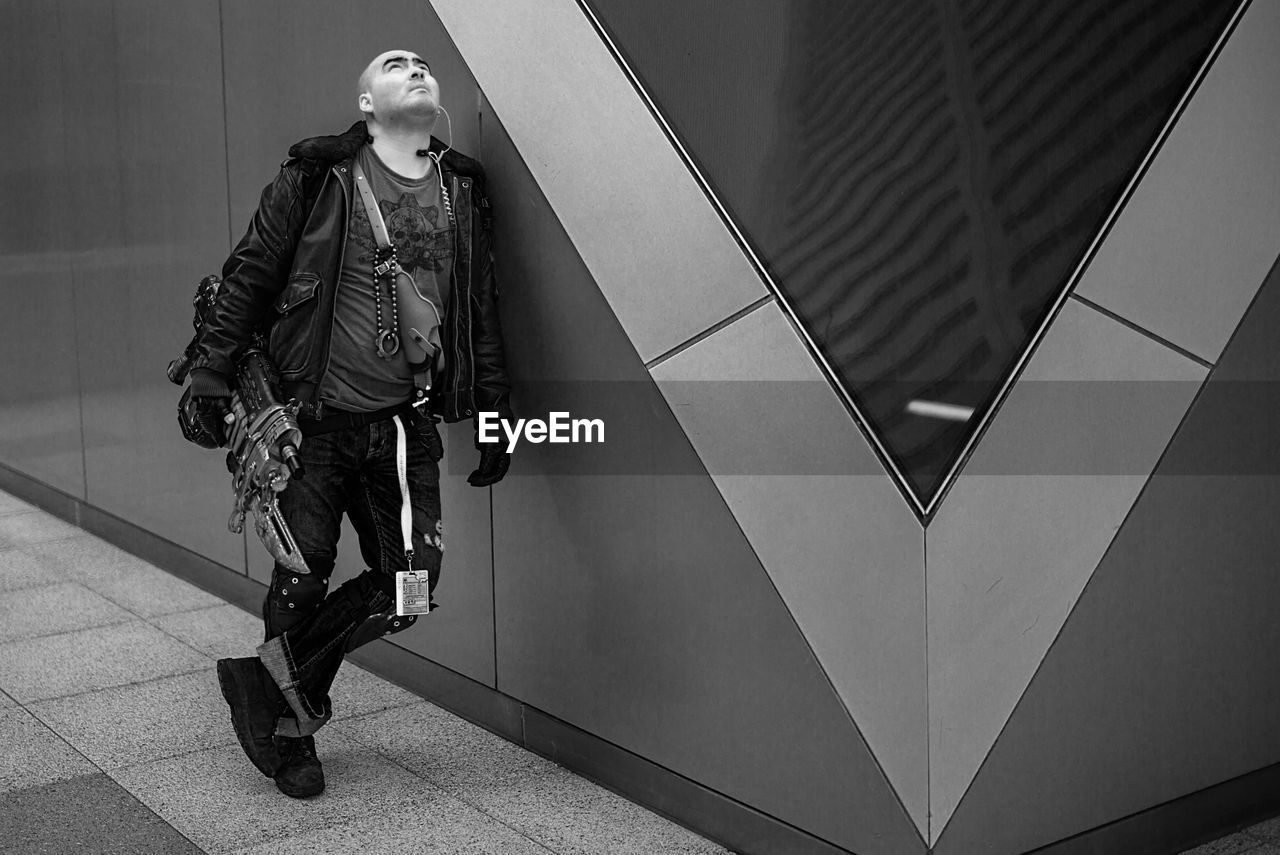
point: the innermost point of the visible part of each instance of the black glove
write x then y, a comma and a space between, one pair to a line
211, 414
210, 406
494, 462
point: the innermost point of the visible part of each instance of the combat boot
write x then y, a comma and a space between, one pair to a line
299, 774
255, 703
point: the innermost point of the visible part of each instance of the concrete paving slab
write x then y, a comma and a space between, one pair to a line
87, 660
86, 814
125, 579
6, 701
359, 692
221, 803
227, 630
569, 814
32, 755
560, 810
451, 752
13, 505
81, 557
19, 569
1230, 845
54, 609
1268, 830
142, 722
221, 631
437, 824
22, 529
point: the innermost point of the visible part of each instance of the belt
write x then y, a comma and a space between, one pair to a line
345, 421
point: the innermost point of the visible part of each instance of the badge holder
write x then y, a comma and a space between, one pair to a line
413, 593
413, 588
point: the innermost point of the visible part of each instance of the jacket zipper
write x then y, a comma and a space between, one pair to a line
333, 305
470, 326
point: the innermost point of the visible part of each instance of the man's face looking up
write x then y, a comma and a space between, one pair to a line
397, 84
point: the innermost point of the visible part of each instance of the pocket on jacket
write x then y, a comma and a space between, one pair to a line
293, 334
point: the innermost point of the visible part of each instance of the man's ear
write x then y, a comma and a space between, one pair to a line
365, 102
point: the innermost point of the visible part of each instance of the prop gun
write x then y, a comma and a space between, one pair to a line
264, 440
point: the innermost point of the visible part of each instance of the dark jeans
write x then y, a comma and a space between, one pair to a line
309, 629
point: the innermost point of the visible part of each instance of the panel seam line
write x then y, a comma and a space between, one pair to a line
226, 138
75, 313
709, 331
1158, 339
928, 720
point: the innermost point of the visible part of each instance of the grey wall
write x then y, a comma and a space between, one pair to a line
627, 599
1163, 680
623, 603
149, 130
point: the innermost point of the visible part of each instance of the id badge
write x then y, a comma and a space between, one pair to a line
413, 595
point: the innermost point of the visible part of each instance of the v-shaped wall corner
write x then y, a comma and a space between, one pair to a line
842, 547
1023, 528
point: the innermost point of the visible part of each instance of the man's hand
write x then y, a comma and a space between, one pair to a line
213, 414
494, 462
211, 402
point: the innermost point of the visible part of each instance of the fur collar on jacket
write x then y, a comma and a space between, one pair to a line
332, 149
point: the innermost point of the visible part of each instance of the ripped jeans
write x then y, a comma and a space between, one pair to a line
309, 629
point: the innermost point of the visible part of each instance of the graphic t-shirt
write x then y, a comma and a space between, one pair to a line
418, 225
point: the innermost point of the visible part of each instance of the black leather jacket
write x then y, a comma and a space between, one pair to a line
283, 275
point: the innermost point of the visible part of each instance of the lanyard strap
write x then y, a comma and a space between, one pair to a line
406, 508
371, 207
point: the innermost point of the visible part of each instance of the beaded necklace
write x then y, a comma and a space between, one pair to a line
386, 267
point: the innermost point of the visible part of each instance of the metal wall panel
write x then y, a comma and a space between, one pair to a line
628, 603
658, 250
39, 390
1163, 680
146, 88
305, 97
837, 539
1025, 525
1186, 256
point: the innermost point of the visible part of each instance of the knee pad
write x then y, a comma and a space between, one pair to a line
292, 597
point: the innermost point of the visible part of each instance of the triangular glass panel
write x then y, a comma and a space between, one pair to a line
919, 179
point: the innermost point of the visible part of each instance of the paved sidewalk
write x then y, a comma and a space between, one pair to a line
115, 739
1260, 839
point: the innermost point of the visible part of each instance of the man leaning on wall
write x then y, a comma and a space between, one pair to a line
367, 269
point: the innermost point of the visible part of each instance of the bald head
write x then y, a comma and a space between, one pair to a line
397, 87
386, 60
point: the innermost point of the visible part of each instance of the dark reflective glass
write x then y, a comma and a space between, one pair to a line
920, 177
